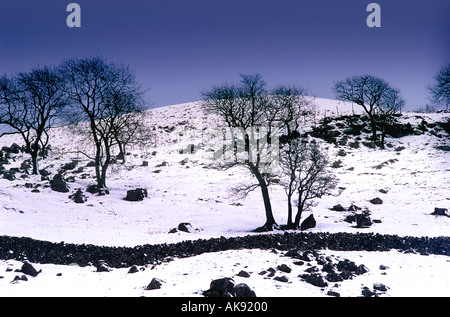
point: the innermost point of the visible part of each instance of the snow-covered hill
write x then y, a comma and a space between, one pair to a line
411, 177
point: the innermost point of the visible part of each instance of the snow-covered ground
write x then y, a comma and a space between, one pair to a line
414, 180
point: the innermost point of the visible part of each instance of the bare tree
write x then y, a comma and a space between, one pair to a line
391, 103
440, 90
244, 109
373, 94
103, 96
30, 104
304, 165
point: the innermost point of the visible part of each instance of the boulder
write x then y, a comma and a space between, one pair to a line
58, 184
94, 189
243, 273
338, 207
154, 284
29, 269
78, 197
363, 220
376, 201
220, 288
314, 279
284, 268
186, 227
243, 290
137, 194
440, 212
308, 223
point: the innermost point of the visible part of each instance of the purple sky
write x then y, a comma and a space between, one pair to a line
180, 47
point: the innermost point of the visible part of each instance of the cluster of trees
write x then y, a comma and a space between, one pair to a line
102, 98
250, 107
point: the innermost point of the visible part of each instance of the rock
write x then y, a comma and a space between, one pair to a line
346, 274
347, 265
363, 220
58, 184
383, 267
338, 207
144, 163
243, 290
361, 269
333, 293
283, 279
328, 267
380, 287
78, 197
376, 201
284, 268
314, 279
186, 227
243, 274
69, 166
19, 278
366, 292
440, 212
220, 288
29, 269
154, 284
9, 175
133, 269
102, 266
25, 165
308, 223
350, 218
137, 194
94, 189
334, 277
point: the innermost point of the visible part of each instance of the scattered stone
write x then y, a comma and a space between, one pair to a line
243, 290
283, 279
58, 184
29, 269
383, 267
361, 269
440, 212
383, 191
363, 220
334, 277
347, 265
380, 287
284, 268
220, 288
144, 163
78, 197
243, 273
314, 279
338, 207
376, 201
186, 227
102, 266
69, 166
173, 230
346, 274
154, 284
94, 189
9, 175
333, 293
366, 292
308, 223
133, 269
137, 194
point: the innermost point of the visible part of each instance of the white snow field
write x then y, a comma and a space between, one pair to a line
412, 173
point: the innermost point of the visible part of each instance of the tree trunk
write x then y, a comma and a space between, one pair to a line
290, 224
34, 160
270, 221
